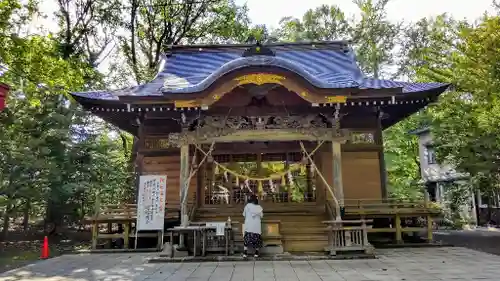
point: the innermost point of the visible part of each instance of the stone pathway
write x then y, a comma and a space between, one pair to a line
392, 264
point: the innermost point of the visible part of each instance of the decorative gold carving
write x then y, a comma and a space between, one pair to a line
260, 79
216, 97
362, 138
335, 99
186, 103
303, 94
153, 144
316, 126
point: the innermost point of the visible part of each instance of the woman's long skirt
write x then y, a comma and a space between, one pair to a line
252, 240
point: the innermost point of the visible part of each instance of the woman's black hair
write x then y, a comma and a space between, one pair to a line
253, 199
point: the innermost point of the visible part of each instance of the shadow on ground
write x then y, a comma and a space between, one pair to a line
479, 240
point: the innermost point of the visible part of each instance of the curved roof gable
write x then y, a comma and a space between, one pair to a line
190, 69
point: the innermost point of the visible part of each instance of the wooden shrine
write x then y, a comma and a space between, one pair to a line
297, 124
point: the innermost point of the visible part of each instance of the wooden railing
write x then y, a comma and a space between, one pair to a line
344, 238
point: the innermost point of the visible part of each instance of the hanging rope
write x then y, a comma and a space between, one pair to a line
194, 171
329, 187
325, 182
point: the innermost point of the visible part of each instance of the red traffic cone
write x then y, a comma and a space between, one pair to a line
45, 248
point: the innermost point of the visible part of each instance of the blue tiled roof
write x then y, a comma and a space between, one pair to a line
193, 70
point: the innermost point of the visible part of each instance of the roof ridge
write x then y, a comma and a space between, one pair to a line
339, 43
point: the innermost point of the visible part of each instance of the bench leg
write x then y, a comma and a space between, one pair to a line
95, 231
160, 239
399, 236
429, 229
126, 235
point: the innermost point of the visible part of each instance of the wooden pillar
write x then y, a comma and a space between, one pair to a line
183, 182
259, 174
429, 217
337, 171
397, 222
230, 179
383, 171
138, 144
309, 175
95, 224
288, 186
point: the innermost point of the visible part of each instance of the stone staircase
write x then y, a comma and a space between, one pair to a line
301, 226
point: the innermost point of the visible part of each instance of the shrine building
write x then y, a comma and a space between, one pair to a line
297, 124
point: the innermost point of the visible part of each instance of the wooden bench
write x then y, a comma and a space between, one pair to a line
122, 215
396, 211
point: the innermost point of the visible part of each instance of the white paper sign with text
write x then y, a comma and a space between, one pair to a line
151, 202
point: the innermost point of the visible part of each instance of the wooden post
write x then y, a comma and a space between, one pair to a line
310, 196
365, 232
126, 235
184, 177
95, 231
230, 180
379, 140
399, 236
289, 186
429, 229
429, 218
211, 182
95, 225
259, 173
337, 171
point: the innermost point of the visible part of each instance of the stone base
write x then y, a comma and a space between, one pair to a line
272, 250
168, 250
179, 253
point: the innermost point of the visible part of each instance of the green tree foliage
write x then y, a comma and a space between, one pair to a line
151, 29
55, 157
325, 23
47, 146
374, 37
470, 113
375, 40
424, 43
48, 150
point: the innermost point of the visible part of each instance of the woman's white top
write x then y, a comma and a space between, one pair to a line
253, 215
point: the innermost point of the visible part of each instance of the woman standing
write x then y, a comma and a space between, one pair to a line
252, 238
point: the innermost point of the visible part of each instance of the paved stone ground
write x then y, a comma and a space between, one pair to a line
427, 264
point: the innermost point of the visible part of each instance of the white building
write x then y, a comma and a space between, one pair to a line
437, 176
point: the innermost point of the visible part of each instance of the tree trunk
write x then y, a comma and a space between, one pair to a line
26, 215
6, 222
